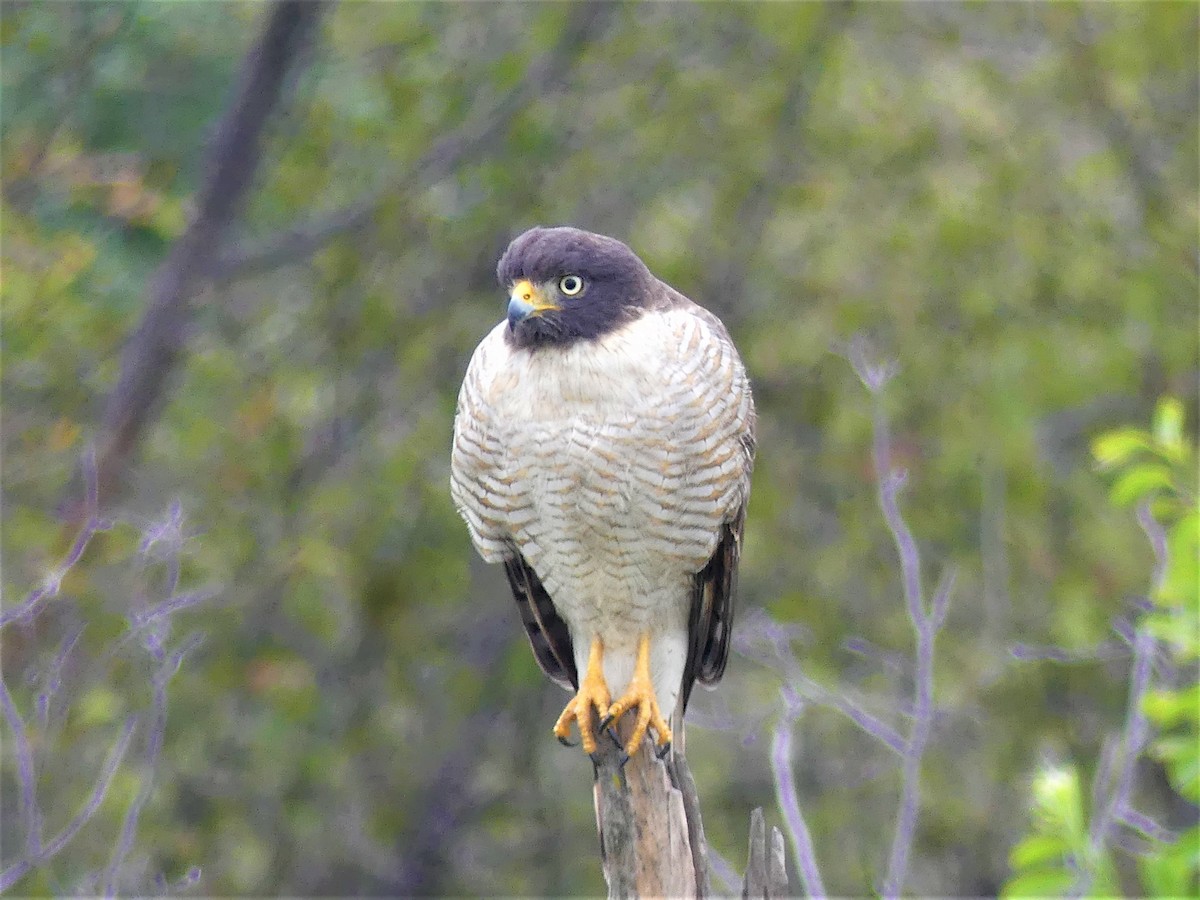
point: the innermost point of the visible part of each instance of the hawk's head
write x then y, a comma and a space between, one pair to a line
567, 285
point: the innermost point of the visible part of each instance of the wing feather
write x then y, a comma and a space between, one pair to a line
710, 621
710, 625
547, 632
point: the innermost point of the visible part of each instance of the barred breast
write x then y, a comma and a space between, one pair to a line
611, 466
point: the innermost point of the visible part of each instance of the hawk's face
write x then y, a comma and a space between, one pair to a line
567, 285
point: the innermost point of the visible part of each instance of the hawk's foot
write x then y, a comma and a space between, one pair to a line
592, 694
640, 695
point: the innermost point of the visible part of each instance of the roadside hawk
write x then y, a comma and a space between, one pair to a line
602, 452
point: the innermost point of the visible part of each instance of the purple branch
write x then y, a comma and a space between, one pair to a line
910, 559
172, 605
1111, 792
111, 763
1157, 536
873, 375
53, 678
35, 853
1147, 826
910, 791
1117, 806
783, 660
894, 663
869, 723
168, 532
925, 622
1125, 630
158, 729
39, 856
31, 814
722, 868
789, 803
51, 585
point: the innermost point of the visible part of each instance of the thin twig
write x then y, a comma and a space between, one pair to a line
31, 814
1157, 536
789, 803
1133, 740
1113, 793
724, 870
925, 621
158, 729
112, 762
91, 523
783, 660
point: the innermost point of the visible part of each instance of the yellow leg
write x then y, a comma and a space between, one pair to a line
592, 694
640, 694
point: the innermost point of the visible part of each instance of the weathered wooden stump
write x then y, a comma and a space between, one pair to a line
651, 834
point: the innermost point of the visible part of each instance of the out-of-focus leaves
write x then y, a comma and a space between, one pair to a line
1183, 572
1168, 427
1140, 481
1115, 447
1040, 883
1174, 872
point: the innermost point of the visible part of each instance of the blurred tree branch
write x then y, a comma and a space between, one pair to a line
153, 351
31, 746
926, 616
196, 262
484, 123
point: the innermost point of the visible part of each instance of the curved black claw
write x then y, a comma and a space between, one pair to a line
612, 733
662, 751
567, 742
621, 760
605, 722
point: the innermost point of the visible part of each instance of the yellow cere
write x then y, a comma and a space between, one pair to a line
526, 291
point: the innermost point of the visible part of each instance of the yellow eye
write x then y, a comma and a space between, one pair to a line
570, 285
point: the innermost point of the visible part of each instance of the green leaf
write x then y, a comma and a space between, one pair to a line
1185, 775
1173, 871
1115, 447
1039, 883
1177, 630
1137, 482
1168, 427
1181, 584
1168, 708
1037, 849
1059, 804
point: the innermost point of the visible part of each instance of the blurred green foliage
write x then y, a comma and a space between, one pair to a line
1155, 469
1002, 197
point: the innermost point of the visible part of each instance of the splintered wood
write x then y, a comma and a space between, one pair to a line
645, 843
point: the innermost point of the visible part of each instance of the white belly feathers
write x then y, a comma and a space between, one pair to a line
610, 465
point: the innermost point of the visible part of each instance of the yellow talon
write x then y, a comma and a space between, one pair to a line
640, 693
592, 694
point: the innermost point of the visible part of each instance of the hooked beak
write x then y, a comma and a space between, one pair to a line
526, 300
